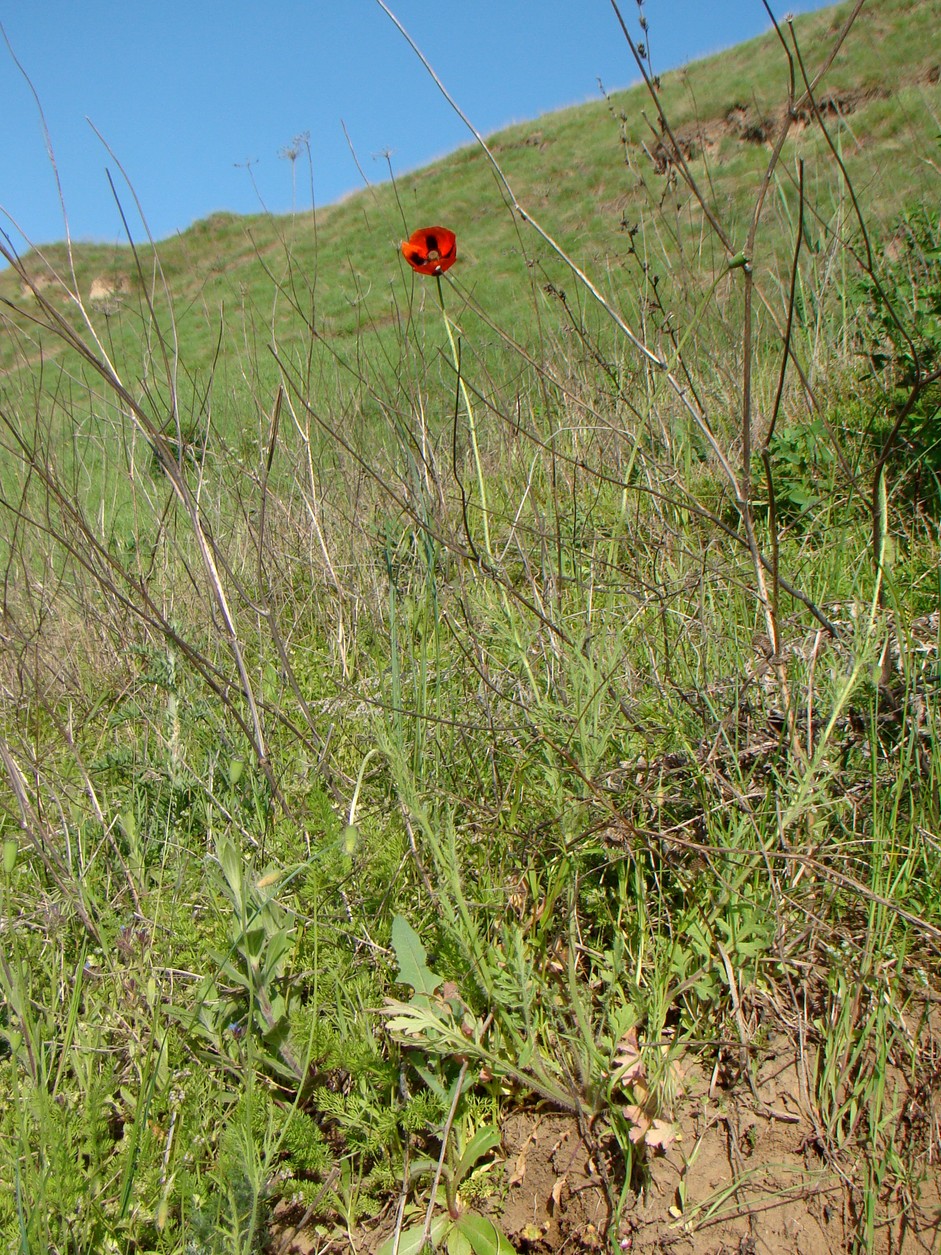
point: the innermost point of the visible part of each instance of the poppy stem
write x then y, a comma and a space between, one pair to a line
471, 422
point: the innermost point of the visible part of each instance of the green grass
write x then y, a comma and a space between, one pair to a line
387, 744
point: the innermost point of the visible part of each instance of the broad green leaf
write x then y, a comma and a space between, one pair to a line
410, 1239
482, 1143
277, 1007
483, 1235
230, 860
413, 966
277, 949
458, 1244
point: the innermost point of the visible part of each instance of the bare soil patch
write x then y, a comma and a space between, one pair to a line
750, 1172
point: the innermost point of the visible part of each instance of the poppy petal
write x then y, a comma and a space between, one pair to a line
430, 250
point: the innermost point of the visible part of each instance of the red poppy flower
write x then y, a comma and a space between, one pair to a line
430, 250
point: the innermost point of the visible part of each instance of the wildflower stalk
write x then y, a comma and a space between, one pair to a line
471, 422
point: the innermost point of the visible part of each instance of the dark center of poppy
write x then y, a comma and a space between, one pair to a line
431, 242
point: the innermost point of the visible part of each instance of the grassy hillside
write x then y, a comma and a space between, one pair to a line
470, 746
584, 173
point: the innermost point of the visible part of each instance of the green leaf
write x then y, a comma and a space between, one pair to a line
458, 1244
278, 1008
429, 1077
483, 1235
410, 1240
277, 950
230, 860
413, 966
482, 1143
411, 1019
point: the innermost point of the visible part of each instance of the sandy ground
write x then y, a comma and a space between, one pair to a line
749, 1172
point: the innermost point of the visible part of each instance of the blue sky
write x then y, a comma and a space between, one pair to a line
198, 100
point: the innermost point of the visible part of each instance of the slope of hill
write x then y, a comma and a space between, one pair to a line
587, 174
